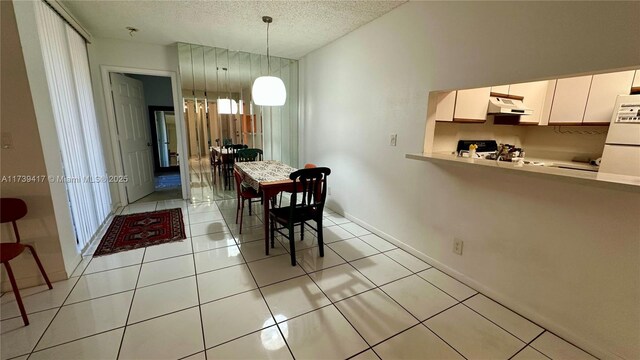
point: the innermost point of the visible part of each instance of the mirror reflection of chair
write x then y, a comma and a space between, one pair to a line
216, 164
311, 186
10, 211
244, 193
228, 161
249, 155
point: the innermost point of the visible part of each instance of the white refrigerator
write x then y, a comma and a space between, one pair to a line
621, 155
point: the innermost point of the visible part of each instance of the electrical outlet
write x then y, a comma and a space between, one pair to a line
457, 246
393, 139
328, 190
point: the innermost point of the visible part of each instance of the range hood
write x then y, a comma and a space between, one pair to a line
505, 106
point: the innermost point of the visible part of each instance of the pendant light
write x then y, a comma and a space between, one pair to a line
268, 90
227, 106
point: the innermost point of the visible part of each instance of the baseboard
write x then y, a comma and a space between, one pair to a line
500, 298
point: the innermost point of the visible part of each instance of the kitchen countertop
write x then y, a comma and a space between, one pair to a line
591, 177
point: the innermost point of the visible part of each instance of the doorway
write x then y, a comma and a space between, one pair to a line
166, 162
148, 135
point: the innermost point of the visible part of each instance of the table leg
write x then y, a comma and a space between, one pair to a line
266, 198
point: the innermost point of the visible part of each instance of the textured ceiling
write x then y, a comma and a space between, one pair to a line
299, 27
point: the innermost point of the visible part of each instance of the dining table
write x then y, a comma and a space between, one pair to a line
269, 177
223, 155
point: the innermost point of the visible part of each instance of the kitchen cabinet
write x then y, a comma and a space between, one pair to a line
534, 94
570, 100
445, 106
502, 89
471, 105
636, 80
605, 88
548, 102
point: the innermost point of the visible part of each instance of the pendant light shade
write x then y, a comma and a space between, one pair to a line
227, 106
268, 90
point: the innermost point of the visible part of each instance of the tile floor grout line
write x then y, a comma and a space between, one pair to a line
334, 305
74, 340
37, 311
404, 266
195, 274
379, 287
308, 273
491, 321
266, 303
133, 298
364, 351
53, 318
529, 345
443, 340
413, 273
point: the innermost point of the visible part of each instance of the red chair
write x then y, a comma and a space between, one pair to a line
243, 193
10, 211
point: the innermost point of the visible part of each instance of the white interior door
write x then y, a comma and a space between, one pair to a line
134, 135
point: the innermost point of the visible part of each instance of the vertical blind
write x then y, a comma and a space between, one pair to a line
67, 69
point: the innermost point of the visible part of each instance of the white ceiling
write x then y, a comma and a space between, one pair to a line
299, 27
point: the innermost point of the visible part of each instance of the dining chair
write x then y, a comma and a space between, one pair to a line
229, 160
243, 193
11, 210
306, 166
216, 164
249, 155
311, 185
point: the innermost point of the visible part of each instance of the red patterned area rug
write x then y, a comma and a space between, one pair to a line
128, 232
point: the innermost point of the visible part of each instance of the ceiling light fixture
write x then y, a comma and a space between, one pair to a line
132, 30
268, 90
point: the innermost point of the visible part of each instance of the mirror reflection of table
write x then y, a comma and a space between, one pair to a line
270, 177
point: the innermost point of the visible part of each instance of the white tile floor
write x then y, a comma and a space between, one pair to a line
216, 295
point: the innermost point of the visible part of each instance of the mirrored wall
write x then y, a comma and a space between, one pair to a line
218, 110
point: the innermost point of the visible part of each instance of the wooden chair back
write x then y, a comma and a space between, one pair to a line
310, 185
249, 155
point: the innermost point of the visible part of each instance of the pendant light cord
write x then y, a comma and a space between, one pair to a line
268, 59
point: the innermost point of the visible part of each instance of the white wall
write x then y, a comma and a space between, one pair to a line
66, 248
564, 254
39, 227
157, 90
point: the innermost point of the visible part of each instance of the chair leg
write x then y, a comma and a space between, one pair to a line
241, 214
16, 293
292, 245
237, 209
302, 231
37, 259
273, 232
280, 202
320, 237
249, 207
15, 231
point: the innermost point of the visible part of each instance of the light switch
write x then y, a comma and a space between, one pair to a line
7, 140
393, 139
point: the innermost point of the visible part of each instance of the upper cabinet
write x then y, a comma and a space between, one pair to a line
534, 94
570, 100
636, 80
471, 105
446, 103
605, 88
580, 100
502, 89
